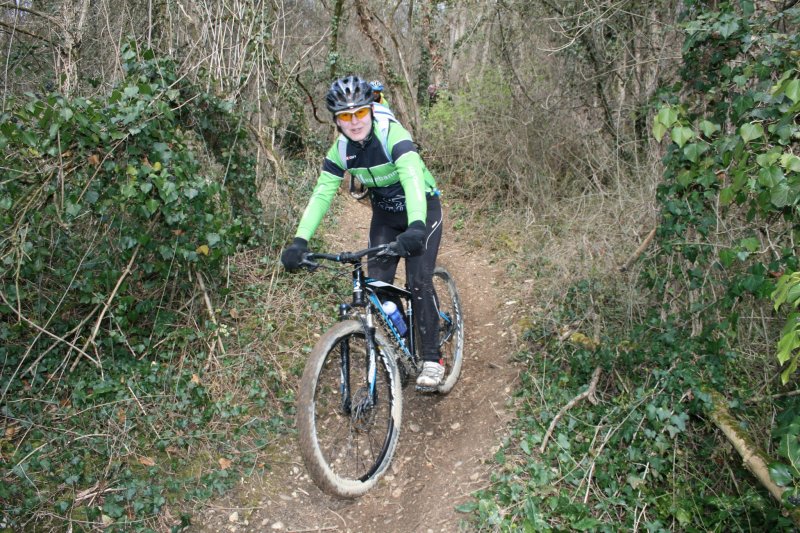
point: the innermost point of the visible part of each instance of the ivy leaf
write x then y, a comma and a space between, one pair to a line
768, 159
681, 135
112, 509
780, 474
526, 447
212, 239
709, 128
659, 130
683, 516
586, 524
685, 178
728, 28
694, 151
790, 162
500, 457
151, 205
793, 90
770, 177
467, 507
634, 481
726, 257
787, 373
789, 449
787, 290
779, 195
679, 420
667, 116
790, 340
751, 244
751, 131
73, 209
726, 196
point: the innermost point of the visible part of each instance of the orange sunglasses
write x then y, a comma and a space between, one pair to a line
347, 116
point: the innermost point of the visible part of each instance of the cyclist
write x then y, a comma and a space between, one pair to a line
406, 209
377, 93
380, 106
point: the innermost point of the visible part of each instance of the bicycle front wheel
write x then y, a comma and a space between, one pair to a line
348, 424
451, 327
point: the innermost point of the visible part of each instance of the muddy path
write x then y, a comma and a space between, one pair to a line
446, 442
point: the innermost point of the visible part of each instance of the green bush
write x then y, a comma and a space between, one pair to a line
114, 201
646, 457
112, 208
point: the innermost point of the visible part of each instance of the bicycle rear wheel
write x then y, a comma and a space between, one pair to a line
347, 434
357, 189
451, 327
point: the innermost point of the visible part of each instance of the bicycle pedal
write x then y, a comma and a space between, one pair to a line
428, 390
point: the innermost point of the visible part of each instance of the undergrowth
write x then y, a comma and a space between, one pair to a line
643, 455
145, 366
637, 449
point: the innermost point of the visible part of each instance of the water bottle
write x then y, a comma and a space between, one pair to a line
390, 308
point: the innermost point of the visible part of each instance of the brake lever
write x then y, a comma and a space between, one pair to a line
311, 266
389, 251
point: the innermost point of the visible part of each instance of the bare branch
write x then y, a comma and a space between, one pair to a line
16, 7
588, 393
46, 332
16, 29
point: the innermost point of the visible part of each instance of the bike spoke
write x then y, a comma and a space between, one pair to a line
352, 442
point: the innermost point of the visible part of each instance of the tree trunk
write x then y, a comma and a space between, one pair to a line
74, 16
399, 102
333, 50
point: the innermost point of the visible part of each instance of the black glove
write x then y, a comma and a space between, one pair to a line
411, 241
292, 256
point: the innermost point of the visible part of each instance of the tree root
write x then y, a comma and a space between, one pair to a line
588, 393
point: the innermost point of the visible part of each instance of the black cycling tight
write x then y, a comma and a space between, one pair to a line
384, 228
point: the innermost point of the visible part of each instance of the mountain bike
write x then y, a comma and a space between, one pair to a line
350, 402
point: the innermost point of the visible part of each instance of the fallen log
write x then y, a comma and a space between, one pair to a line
755, 459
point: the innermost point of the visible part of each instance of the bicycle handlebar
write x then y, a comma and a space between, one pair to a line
346, 257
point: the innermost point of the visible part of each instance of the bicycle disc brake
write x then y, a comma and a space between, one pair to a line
363, 412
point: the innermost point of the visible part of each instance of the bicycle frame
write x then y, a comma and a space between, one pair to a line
351, 393
366, 295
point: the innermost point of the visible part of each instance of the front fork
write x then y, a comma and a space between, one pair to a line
344, 362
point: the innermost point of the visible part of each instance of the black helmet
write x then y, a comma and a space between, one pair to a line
348, 93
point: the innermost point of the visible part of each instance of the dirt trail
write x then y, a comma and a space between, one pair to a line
446, 442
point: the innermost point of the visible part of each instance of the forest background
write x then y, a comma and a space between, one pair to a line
636, 158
